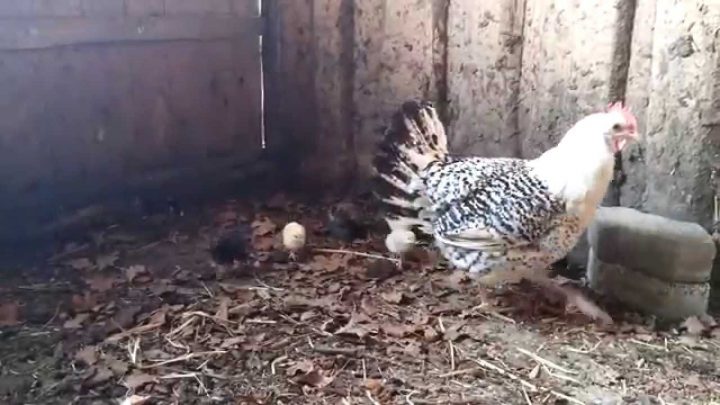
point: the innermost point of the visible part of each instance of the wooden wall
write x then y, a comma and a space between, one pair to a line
509, 76
107, 98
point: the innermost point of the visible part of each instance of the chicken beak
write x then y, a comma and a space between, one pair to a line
621, 140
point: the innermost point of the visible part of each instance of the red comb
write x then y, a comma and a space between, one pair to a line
625, 111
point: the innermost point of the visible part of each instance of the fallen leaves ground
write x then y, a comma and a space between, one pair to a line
130, 318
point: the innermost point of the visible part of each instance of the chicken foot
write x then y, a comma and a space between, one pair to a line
574, 297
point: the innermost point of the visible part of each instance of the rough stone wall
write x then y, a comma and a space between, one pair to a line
104, 98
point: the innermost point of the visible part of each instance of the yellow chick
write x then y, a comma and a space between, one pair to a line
293, 238
399, 242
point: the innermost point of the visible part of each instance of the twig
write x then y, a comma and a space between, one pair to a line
526, 396
581, 351
567, 398
361, 254
501, 317
274, 362
183, 358
269, 287
294, 322
137, 330
487, 365
639, 342
57, 311
347, 351
370, 397
545, 362
560, 376
133, 347
452, 354
460, 372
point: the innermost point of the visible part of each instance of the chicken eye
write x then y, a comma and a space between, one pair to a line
617, 127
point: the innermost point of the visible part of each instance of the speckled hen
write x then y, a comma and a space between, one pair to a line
501, 219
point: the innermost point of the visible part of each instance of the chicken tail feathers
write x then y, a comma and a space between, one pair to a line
413, 141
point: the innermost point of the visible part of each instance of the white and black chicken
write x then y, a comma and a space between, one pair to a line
501, 219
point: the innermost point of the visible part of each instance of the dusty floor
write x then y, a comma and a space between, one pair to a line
141, 314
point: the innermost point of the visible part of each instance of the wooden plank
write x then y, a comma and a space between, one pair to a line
333, 157
567, 67
484, 48
25, 34
682, 140
394, 63
98, 121
633, 188
290, 93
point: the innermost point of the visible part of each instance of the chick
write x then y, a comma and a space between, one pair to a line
400, 242
344, 223
293, 238
232, 246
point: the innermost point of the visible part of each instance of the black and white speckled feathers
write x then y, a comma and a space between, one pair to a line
484, 214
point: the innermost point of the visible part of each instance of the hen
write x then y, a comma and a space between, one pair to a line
501, 219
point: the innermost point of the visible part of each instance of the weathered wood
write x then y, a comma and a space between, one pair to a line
25, 34
484, 76
95, 108
394, 62
569, 49
682, 142
632, 192
290, 92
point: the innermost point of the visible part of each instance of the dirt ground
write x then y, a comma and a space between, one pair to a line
140, 313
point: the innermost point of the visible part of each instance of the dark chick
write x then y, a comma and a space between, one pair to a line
232, 246
345, 226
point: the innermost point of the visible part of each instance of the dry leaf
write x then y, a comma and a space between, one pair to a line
138, 380
379, 392
263, 226
307, 315
315, 379
430, 334
101, 283
453, 332
9, 314
117, 366
137, 273
104, 261
300, 367
222, 312
136, 400
393, 297
76, 322
396, 330
457, 278
694, 326
413, 349
330, 263
367, 306
535, 372
353, 328
98, 376
80, 264
263, 243
232, 342
87, 355
83, 303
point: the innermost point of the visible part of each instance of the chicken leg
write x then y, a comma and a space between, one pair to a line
575, 298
